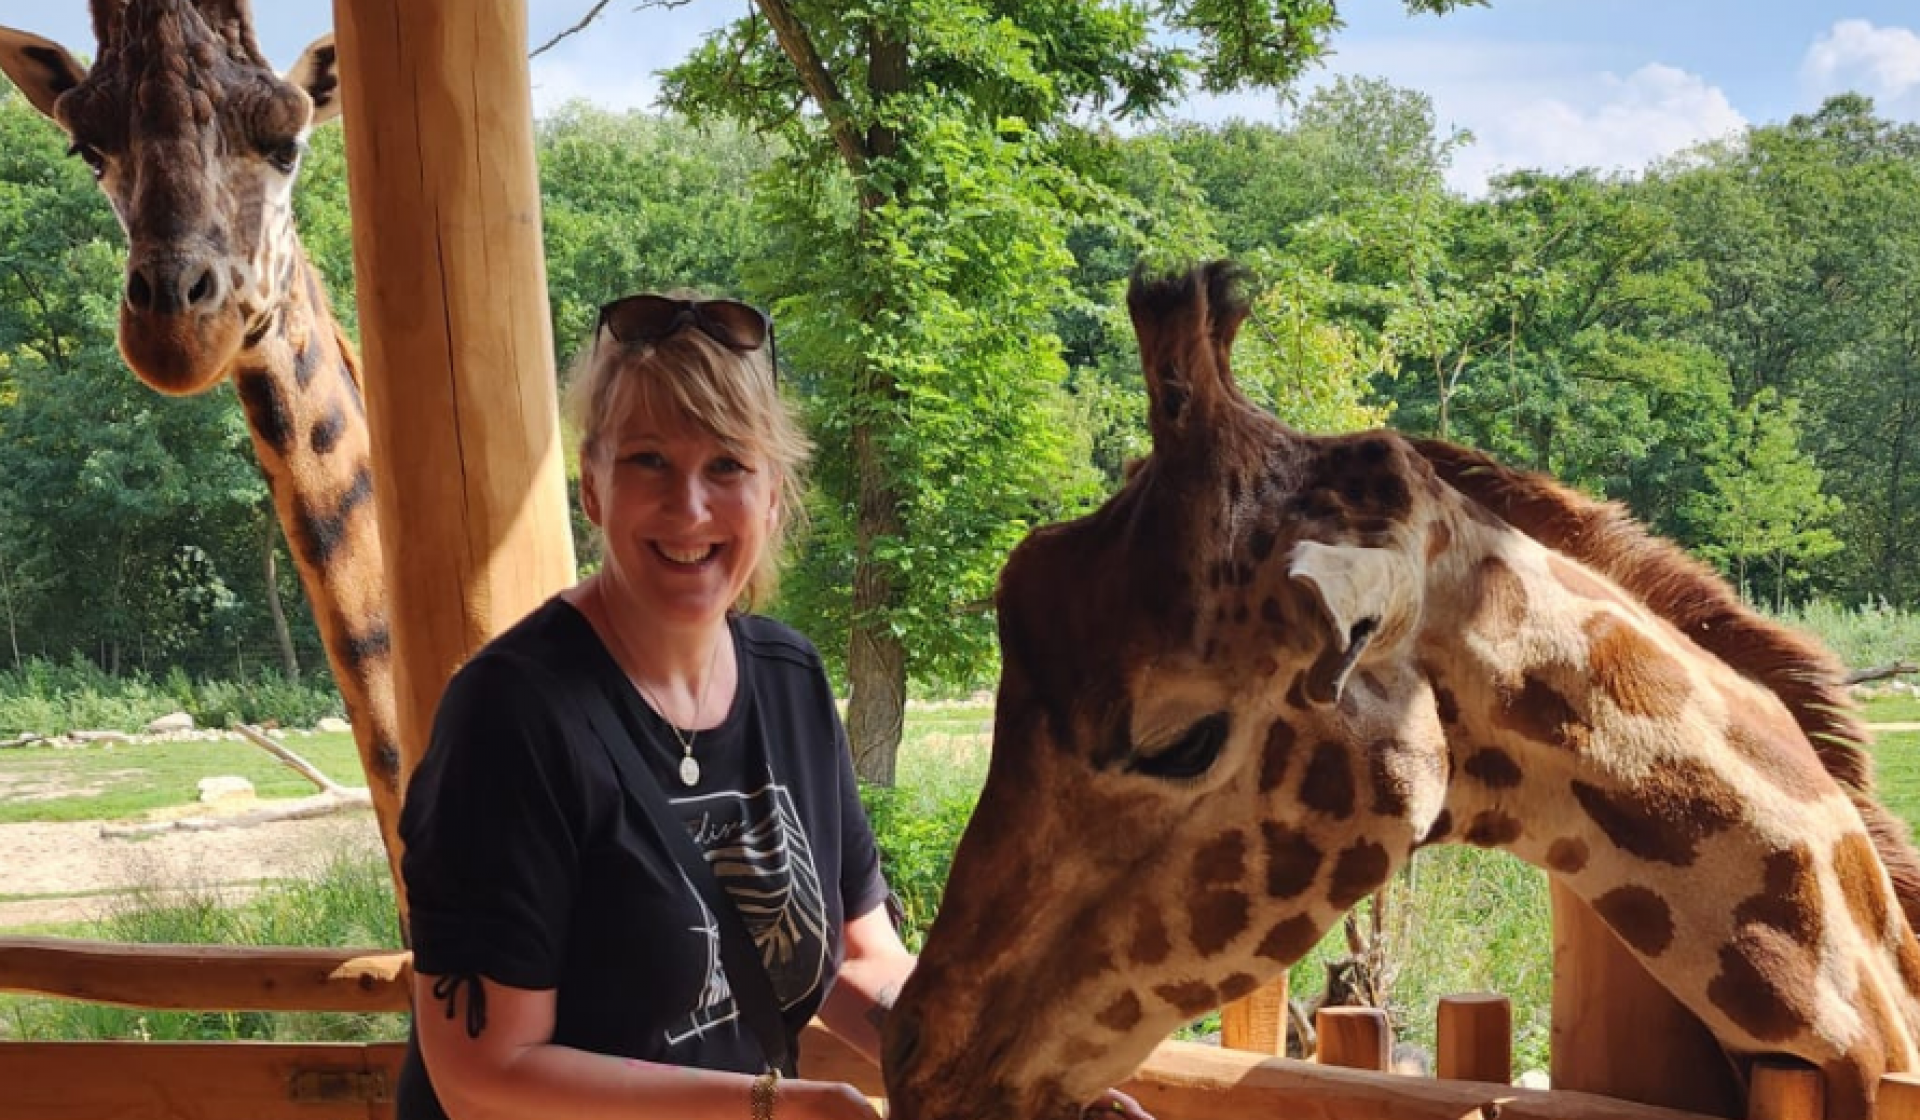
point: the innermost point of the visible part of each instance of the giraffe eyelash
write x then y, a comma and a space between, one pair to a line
1191, 755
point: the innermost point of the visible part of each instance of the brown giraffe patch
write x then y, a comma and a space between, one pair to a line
1763, 985
1441, 827
1439, 539
1328, 786
1774, 746
1356, 873
1493, 768
1499, 599
1664, 817
1492, 829
1909, 958
1568, 855
1078, 1051
1188, 998
1540, 714
1221, 860
1637, 675
1858, 868
1789, 901
1641, 918
1279, 751
1150, 945
1292, 860
1392, 788
1270, 612
1236, 986
1446, 705
1218, 917
1289, 940
1122, 1015
1580, 581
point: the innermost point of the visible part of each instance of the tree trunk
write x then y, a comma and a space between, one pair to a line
289, 658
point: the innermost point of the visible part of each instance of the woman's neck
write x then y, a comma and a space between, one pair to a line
687, 673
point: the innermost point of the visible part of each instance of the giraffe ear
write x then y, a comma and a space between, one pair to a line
41, 68
318, 72
1360, 591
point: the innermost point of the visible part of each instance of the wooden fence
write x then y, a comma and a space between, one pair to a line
336, 1081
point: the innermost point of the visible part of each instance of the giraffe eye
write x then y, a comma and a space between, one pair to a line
90, 156
1192, 755
284, 156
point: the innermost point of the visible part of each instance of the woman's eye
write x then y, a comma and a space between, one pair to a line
651, 460
729, 466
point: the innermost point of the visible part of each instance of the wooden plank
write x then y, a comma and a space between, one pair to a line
1473, 1038
1257, 1022
1784, 1090
207, 977
1354, 1037
196, 1080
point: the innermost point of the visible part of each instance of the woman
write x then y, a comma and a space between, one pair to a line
566, 963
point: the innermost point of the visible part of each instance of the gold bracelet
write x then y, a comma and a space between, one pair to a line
760, 1097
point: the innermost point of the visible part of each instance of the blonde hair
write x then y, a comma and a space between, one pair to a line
731, 394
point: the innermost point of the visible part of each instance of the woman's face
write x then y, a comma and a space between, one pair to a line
685, 517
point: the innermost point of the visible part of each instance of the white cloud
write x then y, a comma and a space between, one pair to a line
1620, 124
1882, 62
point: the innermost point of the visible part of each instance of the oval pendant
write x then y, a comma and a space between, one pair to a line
689, 771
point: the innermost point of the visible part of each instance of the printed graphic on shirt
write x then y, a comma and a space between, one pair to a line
760, 854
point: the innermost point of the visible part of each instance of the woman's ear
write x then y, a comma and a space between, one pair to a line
590, 489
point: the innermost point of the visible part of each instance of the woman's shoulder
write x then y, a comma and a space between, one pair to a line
770, 640
551, 636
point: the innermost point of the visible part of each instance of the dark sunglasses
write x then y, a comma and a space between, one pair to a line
646, 318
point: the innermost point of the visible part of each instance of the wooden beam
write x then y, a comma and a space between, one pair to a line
1257, 1022
206, 978
198, 1080
451, 283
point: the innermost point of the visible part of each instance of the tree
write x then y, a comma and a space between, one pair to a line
1766, 504
931, 178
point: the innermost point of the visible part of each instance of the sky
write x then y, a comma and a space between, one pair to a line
1547, 84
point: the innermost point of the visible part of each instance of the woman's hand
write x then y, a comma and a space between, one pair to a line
821, 1100
1113, 1105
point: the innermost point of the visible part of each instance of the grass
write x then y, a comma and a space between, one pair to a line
115, 781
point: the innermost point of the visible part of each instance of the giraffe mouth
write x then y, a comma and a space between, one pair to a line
178, 355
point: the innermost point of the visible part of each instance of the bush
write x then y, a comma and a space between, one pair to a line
46, 698
1865, 636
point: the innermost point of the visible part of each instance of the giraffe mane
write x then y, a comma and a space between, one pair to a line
1688, 594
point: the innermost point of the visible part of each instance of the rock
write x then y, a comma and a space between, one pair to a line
169, 723
99, 736
224, 788
332, 726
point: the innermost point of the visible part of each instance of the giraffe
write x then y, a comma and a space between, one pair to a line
1237, 697
196, 142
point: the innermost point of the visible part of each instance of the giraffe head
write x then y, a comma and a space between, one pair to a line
195, 141
1208, 697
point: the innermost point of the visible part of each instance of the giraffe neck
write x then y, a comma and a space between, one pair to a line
1679, 799
299, 383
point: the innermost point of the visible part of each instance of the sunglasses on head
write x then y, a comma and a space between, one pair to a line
647, 318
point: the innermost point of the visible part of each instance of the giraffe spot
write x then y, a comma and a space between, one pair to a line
324, 436
1789, 900
269, 413
1188, 998
1078, 1051
1540, 714
1328, 785
1494, 768
1270, 611
1265, 667
1641, 918
1861, 883
1373, 684
1492, 829
1579, 580
1151, 945
1293, 860
386, 764
1261, 542
1221, 860
308, 361
1237, 986
1637, 675
1439, 539
1441, 827
1762, 986
1446, 705
1279, 751
1909, 958
1664, 817
1218, 917
1777, 750
1122, 1015
1357, 873
1567, 855
1289, 940
1499, 599
323, 534
371, 644
1392, 786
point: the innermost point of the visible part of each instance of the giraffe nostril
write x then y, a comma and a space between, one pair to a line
202, 290
139, 292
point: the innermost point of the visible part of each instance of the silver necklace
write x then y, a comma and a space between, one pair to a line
689, 766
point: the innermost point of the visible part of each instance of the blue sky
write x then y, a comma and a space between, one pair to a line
1540, 83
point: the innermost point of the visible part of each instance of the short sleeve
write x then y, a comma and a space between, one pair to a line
862, 886
492, 831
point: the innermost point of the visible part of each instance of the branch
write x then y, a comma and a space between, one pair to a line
299, 765
1880, 673
593, 14
792, 36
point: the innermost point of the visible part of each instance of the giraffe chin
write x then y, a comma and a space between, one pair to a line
179, 355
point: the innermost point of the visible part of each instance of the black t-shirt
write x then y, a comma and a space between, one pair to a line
527, 863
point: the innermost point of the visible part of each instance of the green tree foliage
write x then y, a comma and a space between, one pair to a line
1765, 505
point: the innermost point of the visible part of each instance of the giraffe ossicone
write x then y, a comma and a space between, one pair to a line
1240, 695
196, 143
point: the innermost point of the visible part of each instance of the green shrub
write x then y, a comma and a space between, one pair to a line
1865, 636
47, 698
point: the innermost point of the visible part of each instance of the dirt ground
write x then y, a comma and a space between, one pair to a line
79, 874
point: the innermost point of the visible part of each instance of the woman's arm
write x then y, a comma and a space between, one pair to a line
877, 965
513, 1069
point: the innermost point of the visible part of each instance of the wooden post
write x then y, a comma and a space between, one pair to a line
1257, 1022
1899, 1097
1473, 1038
451, 283
1354, 1037
1617, 1032
1783, 1090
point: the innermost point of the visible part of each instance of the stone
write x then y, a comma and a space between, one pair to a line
332, 725
171, 723
224, 788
